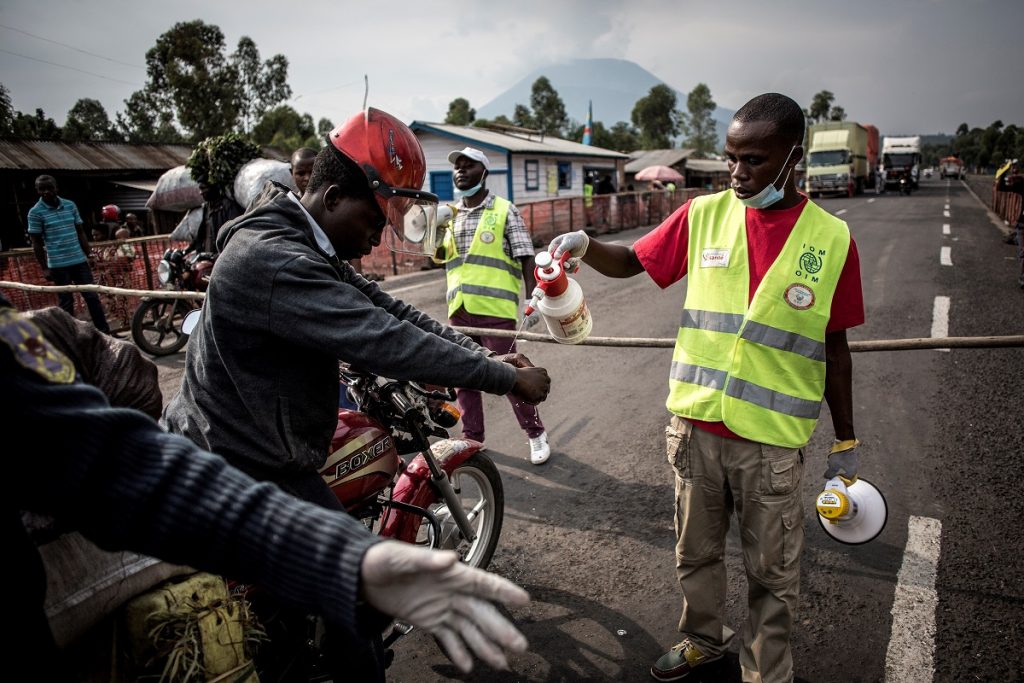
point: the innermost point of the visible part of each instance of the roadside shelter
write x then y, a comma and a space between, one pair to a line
526, 166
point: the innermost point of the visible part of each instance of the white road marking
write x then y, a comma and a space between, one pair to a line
946, 207
840, 212
945, 228
911, 652
940, 319
409, 288
871, 200
945, 214
945, 256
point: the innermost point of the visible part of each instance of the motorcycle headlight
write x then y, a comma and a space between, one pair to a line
163, 272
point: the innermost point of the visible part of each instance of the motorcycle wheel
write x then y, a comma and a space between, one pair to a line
478, 485
156, 326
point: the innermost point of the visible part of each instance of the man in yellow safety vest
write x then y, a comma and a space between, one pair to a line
773, 283
489, 258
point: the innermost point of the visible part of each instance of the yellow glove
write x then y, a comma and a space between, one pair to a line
843, 460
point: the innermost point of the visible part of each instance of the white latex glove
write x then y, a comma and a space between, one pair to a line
432, 590
575, 243
532, 319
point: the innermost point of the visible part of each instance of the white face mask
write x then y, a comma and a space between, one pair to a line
459, 194
770, 194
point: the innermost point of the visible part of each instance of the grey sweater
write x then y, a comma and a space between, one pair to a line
261, 375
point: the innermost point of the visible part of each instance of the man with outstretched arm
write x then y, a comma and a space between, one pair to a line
284, 307
773, 283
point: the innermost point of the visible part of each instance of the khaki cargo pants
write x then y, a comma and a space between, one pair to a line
715, 476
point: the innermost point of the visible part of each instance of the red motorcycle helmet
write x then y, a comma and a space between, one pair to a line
392, 159
110, 212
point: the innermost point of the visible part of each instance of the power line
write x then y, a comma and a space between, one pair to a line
70, 47
64, 66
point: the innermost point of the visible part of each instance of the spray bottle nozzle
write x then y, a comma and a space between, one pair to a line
535, 296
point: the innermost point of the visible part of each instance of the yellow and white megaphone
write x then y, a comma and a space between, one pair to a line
851, 513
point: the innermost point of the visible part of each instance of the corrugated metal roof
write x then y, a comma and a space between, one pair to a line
50, 155
516, 143
144, 185
642, 158
707, 165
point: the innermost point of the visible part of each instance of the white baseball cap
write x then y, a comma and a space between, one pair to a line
469, 152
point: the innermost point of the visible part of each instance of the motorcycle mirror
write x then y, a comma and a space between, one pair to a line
191, 320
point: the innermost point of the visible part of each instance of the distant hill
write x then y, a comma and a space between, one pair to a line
614, 86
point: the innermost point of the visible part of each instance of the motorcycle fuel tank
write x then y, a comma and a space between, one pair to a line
363, 459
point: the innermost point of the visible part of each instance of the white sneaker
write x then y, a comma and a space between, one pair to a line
540, 451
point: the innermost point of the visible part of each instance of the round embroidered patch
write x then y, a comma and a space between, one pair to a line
486, 237
799, 296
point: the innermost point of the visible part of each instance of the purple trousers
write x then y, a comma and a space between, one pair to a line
470, 402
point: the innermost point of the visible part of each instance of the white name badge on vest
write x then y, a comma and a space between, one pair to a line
714, 258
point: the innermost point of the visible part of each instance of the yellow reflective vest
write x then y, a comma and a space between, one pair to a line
757, 367
486, 281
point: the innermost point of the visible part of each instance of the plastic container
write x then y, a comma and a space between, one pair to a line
562, 305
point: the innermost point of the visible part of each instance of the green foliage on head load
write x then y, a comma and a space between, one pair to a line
216, 160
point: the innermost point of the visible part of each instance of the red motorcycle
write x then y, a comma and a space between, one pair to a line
385, 470
156, 323
445, 494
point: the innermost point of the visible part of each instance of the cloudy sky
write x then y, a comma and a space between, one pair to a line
913, 66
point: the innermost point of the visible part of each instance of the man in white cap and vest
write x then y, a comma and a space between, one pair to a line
489, 259
773, 283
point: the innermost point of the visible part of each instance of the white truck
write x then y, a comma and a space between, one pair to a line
901, 156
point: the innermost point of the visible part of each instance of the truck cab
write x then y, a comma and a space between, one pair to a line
901, 157
840, 157
951, 167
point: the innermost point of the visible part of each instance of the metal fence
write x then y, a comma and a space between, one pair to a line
131, 264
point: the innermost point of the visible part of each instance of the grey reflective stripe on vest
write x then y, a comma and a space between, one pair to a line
477, 290
773, 400
713, 322
488, 261
759, 333
698, 374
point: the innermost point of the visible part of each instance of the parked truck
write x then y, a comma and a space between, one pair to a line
841, 157
901, 157
951, 167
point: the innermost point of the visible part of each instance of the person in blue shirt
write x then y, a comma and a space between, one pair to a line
60, 245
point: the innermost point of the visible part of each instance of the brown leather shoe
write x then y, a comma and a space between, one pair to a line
679, 662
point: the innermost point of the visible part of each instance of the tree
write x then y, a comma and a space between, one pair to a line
460, 113
286, 129
6, 112
261, 85
548, 109
37, 127
144, 121
820, 107
190, 75
323, 128
88, 122
837, 114
699, 125
625, 137
522, 117
656, 116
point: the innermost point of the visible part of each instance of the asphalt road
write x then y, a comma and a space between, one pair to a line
937, 596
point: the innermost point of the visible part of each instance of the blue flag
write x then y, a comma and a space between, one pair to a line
588, 129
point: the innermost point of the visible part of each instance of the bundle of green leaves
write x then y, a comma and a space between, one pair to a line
217, 160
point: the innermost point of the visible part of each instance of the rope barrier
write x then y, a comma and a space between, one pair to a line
103, 289
857, 346
912, 344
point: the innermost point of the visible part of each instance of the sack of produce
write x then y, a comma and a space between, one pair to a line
175, 191
186, 230
255, 174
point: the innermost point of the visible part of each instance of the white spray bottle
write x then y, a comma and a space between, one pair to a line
560, 300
